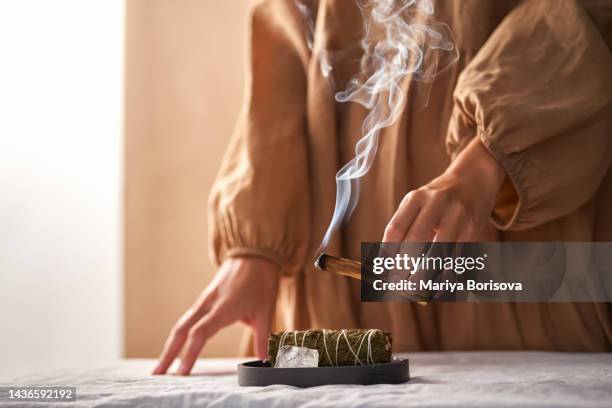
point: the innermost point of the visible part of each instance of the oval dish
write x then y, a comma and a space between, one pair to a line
261, 373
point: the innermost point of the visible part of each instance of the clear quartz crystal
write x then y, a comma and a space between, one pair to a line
293, 357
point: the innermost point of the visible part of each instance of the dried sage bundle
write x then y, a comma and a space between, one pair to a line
337, 347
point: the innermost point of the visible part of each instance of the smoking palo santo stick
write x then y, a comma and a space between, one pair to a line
346, 267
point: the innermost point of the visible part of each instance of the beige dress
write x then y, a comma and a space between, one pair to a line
533, 82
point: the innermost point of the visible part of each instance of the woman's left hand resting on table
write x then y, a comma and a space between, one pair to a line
243, 290
454, 207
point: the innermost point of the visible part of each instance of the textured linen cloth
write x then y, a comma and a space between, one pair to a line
533, 82
470, 379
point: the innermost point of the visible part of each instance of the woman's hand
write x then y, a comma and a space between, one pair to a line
243, 290
454, 206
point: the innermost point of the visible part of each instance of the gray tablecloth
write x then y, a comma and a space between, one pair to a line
470, 379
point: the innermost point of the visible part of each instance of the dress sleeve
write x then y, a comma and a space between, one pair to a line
259, 205
538, 95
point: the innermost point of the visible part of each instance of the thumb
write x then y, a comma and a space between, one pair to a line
261, 331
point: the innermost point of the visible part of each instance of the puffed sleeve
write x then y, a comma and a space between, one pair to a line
538, 95
259, 205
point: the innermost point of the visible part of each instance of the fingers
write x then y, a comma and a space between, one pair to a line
451, 225
427, 215
467, 233
227, 299
180, 331
403, 218
423, 228
176, 340
210, 324
173, 346
261, 331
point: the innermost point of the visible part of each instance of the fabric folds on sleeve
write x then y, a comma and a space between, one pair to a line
259, 205
539, 97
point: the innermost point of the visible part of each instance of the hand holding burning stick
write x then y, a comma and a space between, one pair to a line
454, 206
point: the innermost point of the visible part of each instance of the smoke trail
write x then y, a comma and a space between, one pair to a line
400, 41
325, 65
308, 20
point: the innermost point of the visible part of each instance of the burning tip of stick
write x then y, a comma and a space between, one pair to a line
340, 266
320, 262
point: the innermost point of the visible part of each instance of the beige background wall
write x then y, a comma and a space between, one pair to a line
184, 85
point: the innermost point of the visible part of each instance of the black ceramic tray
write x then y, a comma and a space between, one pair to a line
261, 373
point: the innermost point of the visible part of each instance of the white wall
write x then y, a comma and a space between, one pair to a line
61, 65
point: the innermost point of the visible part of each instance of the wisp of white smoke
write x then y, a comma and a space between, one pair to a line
400, 42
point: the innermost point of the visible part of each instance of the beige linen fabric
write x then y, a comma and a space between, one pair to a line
533, 82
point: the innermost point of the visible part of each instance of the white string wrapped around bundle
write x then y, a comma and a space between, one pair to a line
366, 337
